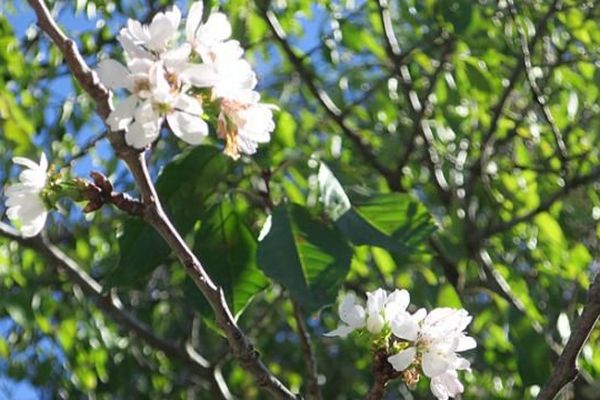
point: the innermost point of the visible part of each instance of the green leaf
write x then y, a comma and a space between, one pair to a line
395, 222
306, 256
227, 249
183, 187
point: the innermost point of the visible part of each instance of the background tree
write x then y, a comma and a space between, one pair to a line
478, 118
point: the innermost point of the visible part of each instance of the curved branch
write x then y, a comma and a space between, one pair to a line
565, 370
154, 213
109, 303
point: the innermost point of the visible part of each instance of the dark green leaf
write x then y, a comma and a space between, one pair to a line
227, 249
395, 222
306, 256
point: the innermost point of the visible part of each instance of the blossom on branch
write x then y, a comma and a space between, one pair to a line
177, 81
381, 307
433, 340
421, 341
24, 199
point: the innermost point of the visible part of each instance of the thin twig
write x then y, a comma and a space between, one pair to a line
565, 370
312, 375
154, 214
538, 96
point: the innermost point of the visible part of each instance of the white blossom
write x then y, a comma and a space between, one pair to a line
434, 339
157, 92
381, 307
167, 81
24, 200
352, 315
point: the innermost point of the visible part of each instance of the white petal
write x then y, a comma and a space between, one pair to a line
375, 323
193, 20
396, 302
163, 27
188, 104
43, 162
376, 301
141, 135
434, 363
466, 343
200, 75
177, 58
34, 226
190, 128
341, 331
405, 326
122, 115
113, 74
352, 313
446, 385
217, 27
26, 162
403, 359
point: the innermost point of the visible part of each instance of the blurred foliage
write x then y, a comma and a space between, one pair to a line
489, 214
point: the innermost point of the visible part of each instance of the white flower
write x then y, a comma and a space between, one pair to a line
352, 316
244, 126
435, 339
24, 201
145, 41
381, 307
157, 92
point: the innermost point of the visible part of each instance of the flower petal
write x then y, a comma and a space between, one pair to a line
434, 363
113, 74
403, 359
341, 331
122, 115
188, 127
194, 19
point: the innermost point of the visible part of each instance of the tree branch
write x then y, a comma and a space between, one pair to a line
312, 376
383, 372
565, 370
154, 214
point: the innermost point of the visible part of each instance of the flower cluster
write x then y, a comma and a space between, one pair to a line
178, 76
420, 341
24, 199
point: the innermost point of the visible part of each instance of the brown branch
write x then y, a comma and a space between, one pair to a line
312, 376
110, 304
565, 370
331, 109
383, 372
101, 192
155, 215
